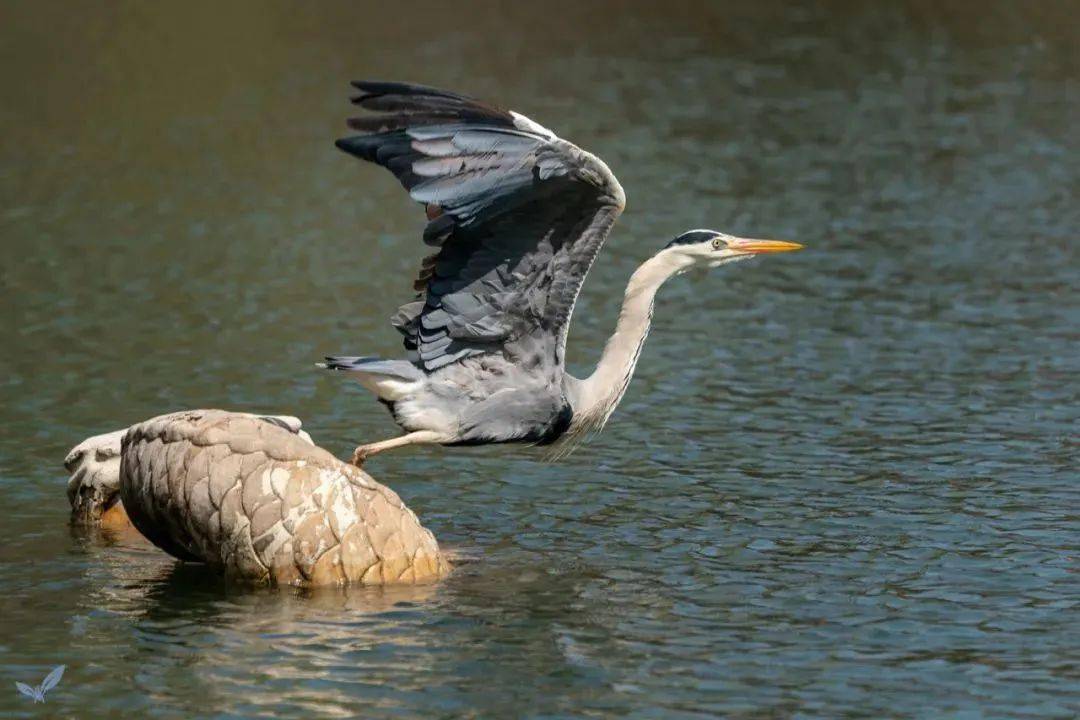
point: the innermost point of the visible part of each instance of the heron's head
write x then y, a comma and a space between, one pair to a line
709, 248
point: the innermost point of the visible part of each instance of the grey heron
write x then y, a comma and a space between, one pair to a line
516, 217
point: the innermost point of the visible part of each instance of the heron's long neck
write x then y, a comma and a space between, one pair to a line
600, 393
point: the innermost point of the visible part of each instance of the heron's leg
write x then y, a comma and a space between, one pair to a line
363, 452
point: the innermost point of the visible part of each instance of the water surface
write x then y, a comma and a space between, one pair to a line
843, 483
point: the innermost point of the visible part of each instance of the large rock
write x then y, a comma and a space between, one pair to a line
254, 499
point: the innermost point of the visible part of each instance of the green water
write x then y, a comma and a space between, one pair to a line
842, 484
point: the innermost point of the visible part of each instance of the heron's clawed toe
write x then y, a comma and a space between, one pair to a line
360, 454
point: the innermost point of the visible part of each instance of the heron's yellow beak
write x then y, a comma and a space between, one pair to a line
757, 247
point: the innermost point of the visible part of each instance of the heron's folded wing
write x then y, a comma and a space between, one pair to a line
516, 215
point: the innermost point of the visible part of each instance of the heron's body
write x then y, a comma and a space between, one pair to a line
516, 216
486, 399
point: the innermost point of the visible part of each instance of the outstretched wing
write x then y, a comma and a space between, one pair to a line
26, 689
516, 214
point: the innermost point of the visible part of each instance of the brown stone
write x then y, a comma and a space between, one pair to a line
256, 502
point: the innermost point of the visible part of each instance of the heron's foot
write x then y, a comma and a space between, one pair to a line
360, 454
363, 452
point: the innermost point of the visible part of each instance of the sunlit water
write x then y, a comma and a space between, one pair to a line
843, 482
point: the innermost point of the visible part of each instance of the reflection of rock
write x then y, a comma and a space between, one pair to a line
253, 498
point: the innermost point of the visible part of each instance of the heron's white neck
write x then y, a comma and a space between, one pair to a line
599, 394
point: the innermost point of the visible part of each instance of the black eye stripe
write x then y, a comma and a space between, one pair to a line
692, 237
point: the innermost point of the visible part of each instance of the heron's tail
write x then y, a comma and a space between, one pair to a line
400, 369
390, 380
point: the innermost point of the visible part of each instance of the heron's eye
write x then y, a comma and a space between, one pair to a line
717, 243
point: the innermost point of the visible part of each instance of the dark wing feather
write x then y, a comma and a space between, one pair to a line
517, 216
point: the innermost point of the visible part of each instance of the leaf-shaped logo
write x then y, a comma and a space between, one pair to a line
38, 693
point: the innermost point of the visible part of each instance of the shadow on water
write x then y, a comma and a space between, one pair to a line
332, 650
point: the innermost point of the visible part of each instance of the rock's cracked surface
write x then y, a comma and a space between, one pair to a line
94, 486
259, 503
